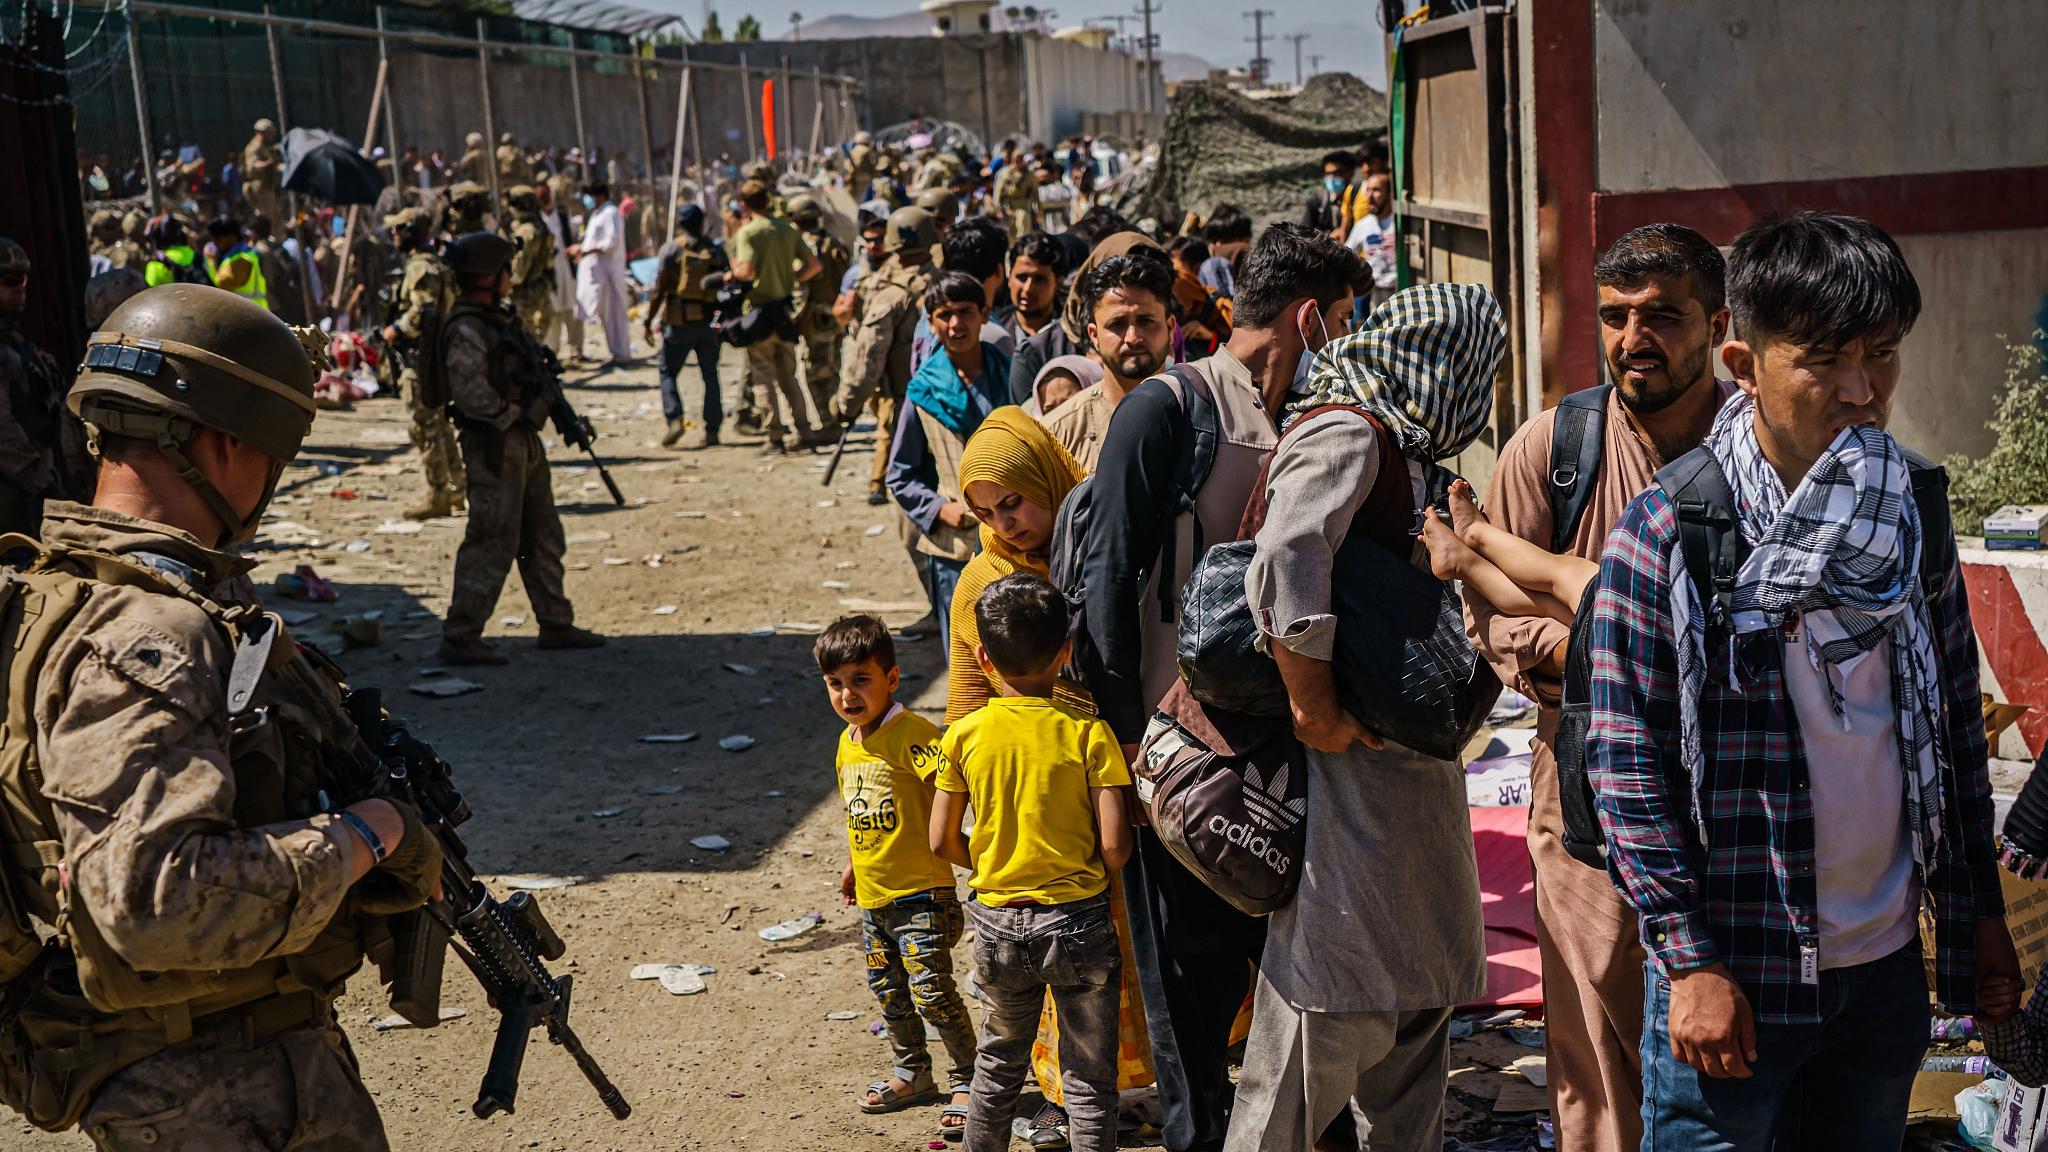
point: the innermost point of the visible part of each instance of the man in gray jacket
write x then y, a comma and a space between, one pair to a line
1361, 971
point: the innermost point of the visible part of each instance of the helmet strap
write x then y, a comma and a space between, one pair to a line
170, 434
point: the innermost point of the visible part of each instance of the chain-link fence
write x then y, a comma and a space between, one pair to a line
206, 75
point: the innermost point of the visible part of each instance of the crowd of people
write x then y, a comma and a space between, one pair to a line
1776, 672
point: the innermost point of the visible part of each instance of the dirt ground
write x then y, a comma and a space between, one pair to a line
721, 560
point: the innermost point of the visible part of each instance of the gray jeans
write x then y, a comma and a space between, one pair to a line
1020, 953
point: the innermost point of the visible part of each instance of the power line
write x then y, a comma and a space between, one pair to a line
1258, 38
1296, 38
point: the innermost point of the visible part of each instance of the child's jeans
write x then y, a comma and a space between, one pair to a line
1019, 953
910, 968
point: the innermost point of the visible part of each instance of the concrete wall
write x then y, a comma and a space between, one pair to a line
1755, 91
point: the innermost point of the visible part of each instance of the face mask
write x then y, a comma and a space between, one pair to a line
1334, 184
340, 226
1309, 357
589, 201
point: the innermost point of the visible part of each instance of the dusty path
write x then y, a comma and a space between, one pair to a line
549, 753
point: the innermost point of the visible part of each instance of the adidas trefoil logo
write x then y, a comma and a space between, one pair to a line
1270, 812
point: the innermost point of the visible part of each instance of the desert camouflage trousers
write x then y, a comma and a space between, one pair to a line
299, 1090
512, 519
434, 436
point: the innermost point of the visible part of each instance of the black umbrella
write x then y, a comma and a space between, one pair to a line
327, 167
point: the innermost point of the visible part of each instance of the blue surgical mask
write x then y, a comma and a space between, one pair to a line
1309, 357
1333, 184
589, 201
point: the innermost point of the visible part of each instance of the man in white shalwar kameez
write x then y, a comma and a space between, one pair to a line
564, 318
601, 272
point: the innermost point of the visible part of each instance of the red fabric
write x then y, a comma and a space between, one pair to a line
1507, 896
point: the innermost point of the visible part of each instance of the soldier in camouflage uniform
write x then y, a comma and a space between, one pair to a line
263, 171
425, 297
40, 446
194, 903
1017, 192
468, 204
513, 166
474, 165
490, 369
533, 267
889, 309
820, 329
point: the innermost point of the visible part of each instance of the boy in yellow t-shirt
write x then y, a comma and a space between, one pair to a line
1047, 784
910, 914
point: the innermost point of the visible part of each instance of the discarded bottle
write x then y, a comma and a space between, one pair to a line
1974, 1065
1951, 1028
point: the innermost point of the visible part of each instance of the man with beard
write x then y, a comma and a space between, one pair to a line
1662, 314
1126, 299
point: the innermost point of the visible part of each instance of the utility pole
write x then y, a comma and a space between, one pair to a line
1315, 64
1295, 38
1259, 62
1146, 9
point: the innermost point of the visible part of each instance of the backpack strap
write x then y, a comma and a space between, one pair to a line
1577, 443
1707, 536
1191, 471
1937, 524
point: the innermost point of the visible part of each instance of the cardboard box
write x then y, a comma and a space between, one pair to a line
2022, 1123
2016, 526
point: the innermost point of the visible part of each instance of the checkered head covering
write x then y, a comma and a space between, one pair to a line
1423, 365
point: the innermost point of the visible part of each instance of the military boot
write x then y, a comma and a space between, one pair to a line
471, 653
674, 435
559, 636
436, 505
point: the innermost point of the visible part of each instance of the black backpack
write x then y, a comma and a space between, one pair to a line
1070, 525
1714, 551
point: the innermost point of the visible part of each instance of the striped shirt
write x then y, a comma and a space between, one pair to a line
1736, 885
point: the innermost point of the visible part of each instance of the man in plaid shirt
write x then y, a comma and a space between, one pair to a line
1785, 779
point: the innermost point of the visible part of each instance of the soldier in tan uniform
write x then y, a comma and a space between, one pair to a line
474, 164
262, 172
193, 903
513, 166
469, 206
821, 331
860, 165
889, 310
533, 267
491, 368
426, 297
1017, 192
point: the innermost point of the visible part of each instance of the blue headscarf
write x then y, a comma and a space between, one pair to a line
936, 388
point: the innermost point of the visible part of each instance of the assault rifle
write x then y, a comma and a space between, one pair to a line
506, 944
574, 427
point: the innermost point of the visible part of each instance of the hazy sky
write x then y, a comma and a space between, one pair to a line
1344, 32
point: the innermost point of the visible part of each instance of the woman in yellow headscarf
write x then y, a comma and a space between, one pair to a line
1014, 476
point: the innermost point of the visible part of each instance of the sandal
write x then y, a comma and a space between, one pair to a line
888, 1099
954, 1133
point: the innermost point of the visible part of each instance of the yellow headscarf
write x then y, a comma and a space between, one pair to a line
1014, 450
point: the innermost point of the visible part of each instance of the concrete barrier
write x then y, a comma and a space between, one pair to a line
2009, 606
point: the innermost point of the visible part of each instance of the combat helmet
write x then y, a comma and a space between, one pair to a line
178, 357
910, 228
13, 257
478, 254
104, 225
804, 209
940, 202
469, 192
523, 197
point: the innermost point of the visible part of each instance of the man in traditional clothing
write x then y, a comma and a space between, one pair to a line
601, 272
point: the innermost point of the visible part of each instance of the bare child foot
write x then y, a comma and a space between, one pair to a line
1449, 557
1465, 513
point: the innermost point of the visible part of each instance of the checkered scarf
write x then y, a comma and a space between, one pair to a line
1842, 553
1423, 365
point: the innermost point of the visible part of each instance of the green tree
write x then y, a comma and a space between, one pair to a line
712, 33
747, 30
2015, 471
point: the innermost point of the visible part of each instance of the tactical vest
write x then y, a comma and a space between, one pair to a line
688, 302
73, 1012
507, 364
425, 353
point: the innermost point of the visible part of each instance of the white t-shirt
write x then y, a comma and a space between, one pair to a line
1869, 896
1373, 238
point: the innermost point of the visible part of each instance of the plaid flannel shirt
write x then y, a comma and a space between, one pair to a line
1747, 896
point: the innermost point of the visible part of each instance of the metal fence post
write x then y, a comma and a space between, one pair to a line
646, 125
696, 122
747, 103
276, 72
156, 200
390, 117
675, 160
483, 75
817, 113
576, 96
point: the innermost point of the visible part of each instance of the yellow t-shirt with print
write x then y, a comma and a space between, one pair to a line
1026, 764
882, 782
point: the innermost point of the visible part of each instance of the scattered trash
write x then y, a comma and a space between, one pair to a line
364, 631
511, 621
800, 627
615, 561
742, 669
736, 1094
664, 789
302, 583
1980, 1106
344, 494
445, 687
668, 738
356, 546
395, 1021
1973, 1065
538, 883
710, 843
590, 538
399, 528
691, 515
877, 1028
777, 794
678, 979
842, 1015
791, 929
1499, 776
1951, 1028
760, 633
876, 530
834, 585
665, 610
736, 743
1533, 1070
293, 618
1526, 1037
828, 503
1510, 707
607, 813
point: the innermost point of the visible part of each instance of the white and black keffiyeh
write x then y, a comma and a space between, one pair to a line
1423, 365
1842, 552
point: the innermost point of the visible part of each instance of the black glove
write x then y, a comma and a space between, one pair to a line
408, 875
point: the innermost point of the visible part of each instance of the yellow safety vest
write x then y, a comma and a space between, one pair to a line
254, 287
168, 270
